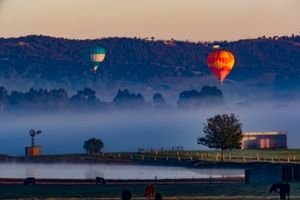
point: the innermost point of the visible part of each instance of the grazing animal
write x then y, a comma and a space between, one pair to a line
126, 195
149, 191
100, 180
158, 196
29, 181
284, 190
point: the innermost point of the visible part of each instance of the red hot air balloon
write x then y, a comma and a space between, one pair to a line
220, 63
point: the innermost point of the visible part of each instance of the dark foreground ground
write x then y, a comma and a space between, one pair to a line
233, 191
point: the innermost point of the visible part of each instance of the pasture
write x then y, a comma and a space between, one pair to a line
237, 155
170, 191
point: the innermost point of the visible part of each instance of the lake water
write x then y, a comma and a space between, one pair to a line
109, 171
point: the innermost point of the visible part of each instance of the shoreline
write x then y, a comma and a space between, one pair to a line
44, 181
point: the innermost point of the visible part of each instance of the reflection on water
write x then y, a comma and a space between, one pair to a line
109, 171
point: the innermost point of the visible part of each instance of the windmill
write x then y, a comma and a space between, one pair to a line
33, 150
33, 133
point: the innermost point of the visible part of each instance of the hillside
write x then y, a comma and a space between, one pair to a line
48, 62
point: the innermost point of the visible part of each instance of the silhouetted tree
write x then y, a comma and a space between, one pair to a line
16, 98
222, 132
41, 99
85, 98
85, 95
211, 96
4, 98
93, 146
189, 99
194, 99
58, 98
125, 99
158, 100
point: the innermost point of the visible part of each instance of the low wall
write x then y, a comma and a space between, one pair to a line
263, 175
272, 174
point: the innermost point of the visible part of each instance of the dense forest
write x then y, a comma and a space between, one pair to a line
86, 99
48, 62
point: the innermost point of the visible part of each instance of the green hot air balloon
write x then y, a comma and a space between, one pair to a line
97, 56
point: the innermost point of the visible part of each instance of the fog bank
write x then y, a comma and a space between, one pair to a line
130, 130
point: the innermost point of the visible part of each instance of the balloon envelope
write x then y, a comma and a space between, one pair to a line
97, 55
220, 63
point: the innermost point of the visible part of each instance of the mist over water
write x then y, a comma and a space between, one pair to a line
130, 130
109, 171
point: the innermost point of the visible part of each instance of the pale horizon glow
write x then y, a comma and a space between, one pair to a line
192, 20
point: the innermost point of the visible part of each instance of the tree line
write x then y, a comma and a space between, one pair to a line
59, 99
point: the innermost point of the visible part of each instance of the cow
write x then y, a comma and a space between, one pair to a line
126, 195
158, 196
284, 190
100, 180
29, 181
149, 191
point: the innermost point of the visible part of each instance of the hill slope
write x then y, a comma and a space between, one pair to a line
42, 61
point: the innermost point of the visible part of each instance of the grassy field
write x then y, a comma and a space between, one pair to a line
174, 191
275, 156
291, 155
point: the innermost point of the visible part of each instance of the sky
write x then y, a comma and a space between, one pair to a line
194, 20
